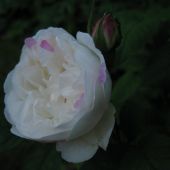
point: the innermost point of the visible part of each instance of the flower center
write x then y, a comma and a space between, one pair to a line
55, 82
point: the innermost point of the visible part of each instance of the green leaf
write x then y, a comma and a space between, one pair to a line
105, 160
52, 160
138, 30
151, 152
134, 160
156, 147
42, 157
125, 88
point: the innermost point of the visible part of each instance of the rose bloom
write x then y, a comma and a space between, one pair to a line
59, 92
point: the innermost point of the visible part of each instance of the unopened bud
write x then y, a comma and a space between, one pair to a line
106, 33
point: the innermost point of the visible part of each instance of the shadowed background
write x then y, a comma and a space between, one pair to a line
141, 87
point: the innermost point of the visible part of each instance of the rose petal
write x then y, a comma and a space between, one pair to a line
83, 148
86, 40
17, 133
30, 42
79, 101
8, 82
78, 150
104, 128
102, 74
87, 120
45, 45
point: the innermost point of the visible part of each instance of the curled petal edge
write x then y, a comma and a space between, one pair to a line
84, 148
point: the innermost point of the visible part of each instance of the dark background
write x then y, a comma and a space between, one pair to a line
141, 86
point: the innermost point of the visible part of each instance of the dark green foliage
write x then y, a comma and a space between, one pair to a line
141, 93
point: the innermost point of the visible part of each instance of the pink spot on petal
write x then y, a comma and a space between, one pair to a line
79, 101
45, 45
102, 73
30, 42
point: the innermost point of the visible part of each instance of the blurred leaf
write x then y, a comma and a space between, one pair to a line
152, 152
156, 148
134, 160
52, 160
137, 33
157, 151
106, 160
42, 158
125, 88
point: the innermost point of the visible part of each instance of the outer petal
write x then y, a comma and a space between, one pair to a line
8, 82
17, 133
12, 107
89, 119
96, 95
83, 148
104, 128
78, 150
93, 94
86, 40
20, 115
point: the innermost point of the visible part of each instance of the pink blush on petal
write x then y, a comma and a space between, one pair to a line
102, 73
30, 42
45, 45
79, 101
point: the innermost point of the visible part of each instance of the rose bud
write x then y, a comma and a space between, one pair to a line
60, 92
106, 33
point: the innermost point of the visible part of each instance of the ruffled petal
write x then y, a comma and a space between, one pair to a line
84, 148
8, 82
78, 150
86, 40
104, 128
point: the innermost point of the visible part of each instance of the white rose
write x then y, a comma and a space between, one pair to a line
59, 91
